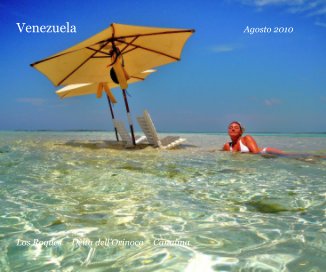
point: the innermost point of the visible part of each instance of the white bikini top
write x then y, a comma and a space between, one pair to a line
243, 148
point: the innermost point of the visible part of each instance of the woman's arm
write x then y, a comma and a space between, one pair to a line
251, 144
253, 147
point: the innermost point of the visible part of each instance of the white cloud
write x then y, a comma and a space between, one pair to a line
32, 101
306, 7
320, 24
269, 102
321, 11
222, 48
262, 3
272, 102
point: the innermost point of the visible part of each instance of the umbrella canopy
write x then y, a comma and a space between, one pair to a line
142, 48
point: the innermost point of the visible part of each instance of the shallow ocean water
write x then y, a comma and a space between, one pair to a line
76, 201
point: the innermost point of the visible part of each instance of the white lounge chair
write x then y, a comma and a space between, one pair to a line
149, 130
124, 134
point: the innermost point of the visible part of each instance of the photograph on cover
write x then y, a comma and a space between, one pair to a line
163, 135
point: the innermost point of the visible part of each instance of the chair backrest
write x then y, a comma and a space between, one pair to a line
149, 130
119, 125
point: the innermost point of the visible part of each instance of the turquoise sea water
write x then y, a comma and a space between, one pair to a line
76, 201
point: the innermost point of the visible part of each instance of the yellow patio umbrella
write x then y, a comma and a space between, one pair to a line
119, 51
98, 89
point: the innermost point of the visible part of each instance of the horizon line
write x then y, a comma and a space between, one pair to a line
159, 131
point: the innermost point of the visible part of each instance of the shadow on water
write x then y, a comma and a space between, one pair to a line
94, 145
4, 149
269, 205
310, 158
169, 171
114, 145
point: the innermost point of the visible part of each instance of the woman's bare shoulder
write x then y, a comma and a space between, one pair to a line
248, 139
226, 147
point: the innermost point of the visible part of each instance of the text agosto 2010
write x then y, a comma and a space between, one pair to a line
267, 30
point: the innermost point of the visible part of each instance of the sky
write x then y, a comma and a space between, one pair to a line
270, 82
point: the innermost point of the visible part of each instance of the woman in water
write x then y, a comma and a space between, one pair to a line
245, 144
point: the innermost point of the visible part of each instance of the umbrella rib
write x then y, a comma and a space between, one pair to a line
113, 38
53, 57
151, 50
128, 44
110, 39
140, 78
63, 96
56, 56
155, 33
129, 50
98, 51
86, 60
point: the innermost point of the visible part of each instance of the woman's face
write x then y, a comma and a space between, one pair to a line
234, 129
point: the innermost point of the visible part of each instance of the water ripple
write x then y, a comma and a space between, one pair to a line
65, 203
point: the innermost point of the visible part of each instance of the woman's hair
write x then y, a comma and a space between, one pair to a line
241, 126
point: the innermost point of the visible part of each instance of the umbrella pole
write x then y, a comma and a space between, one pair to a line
129, 117
112, 115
